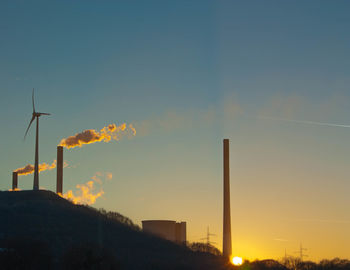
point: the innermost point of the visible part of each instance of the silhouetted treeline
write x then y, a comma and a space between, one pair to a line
118, 217
336, 264
292, 263
203, 247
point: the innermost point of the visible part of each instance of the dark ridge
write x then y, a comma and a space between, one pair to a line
43, 224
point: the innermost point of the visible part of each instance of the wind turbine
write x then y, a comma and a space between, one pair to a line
36, 165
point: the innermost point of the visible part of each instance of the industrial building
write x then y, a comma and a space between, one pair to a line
167, 229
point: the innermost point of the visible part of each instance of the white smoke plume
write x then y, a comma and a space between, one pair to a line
106, 134
29, 169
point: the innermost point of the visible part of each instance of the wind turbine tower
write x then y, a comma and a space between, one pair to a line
36, 164
226, 243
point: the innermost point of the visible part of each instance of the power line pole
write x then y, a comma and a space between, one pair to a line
285, 254
209, 243
301, 252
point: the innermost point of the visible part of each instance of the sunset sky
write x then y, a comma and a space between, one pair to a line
187, 74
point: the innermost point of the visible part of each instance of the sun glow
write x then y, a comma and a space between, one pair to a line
237, 260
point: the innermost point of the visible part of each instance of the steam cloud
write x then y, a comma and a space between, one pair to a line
106, 134
86, 193
29, 169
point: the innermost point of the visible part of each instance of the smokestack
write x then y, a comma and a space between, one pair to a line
226, 243
59, 184
14, 180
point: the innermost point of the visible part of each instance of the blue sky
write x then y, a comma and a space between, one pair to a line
192, 72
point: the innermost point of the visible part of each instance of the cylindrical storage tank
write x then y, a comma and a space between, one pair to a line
14, 180
181, 232
162, 228
59, 184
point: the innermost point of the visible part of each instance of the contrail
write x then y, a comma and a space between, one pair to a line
305, 122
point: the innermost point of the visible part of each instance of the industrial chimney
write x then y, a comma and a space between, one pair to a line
226, 243
14, 180
59, 184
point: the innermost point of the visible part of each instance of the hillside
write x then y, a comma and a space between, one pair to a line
51, 232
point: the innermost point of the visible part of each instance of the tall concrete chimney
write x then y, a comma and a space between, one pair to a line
14, 180
59, 184
226, 243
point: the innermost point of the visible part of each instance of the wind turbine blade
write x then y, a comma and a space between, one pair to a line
45, 113
31, 121
33, 100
